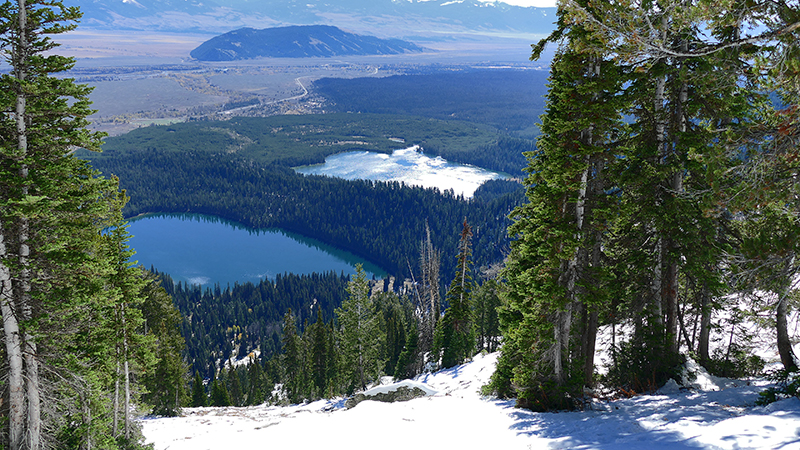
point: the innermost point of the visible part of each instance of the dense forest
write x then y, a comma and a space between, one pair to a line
506, 99
381, 222
221, 323
325, 351
294, 140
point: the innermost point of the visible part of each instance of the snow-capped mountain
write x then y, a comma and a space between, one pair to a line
393, 17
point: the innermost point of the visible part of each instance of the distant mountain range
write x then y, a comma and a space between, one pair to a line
296, 42
388, 17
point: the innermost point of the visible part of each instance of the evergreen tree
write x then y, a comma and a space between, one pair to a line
166, 382
199, 397
256, 390
360, 335
219, 392
406, 367
52, 266
124, 286
292, 359
486, 302
556, 284
621, 216
237, 396
320, 357
455, 337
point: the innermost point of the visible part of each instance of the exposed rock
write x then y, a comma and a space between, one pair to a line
401, 394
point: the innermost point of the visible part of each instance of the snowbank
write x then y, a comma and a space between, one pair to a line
716, 414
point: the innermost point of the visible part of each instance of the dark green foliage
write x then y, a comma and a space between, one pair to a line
735, 362
258, 384
493, 189
360, 335
644, 363
199, 397
396, 313
237, 396
320, 353
455, 337
554, 277
405, 361
219, 392
293, 362
331, 210
486, 302
166, 382
296, 140
788, 385
247, 314
509, 100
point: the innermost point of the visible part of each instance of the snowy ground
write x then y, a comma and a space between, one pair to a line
455, 416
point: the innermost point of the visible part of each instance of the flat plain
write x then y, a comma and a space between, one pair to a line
145, 78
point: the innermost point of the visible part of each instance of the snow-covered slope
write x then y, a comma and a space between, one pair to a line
457, 417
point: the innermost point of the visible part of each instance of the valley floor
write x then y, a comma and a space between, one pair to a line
719, 416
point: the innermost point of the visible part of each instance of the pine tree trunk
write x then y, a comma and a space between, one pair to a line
127, 401
659, 98
671, 306
656, 288
33, 391
34, 428
561, 345
705, 327
115, 419
127, 405
788, 358
588, 347
676, 184
88, 413
589, 341
16, 389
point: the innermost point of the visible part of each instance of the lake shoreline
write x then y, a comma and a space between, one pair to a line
207, 250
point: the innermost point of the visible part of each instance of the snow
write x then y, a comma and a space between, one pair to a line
714, 414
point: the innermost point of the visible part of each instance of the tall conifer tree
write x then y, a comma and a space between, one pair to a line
360, 336
556, 284
52, 208
455, 336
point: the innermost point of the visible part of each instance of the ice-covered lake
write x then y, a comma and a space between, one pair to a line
409, 165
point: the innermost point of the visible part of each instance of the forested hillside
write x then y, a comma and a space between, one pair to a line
507, 99
240, 170
381, 222
295, 140
248, 317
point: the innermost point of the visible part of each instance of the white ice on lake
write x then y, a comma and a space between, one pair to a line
409, 166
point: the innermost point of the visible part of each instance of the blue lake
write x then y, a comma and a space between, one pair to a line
206, 250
